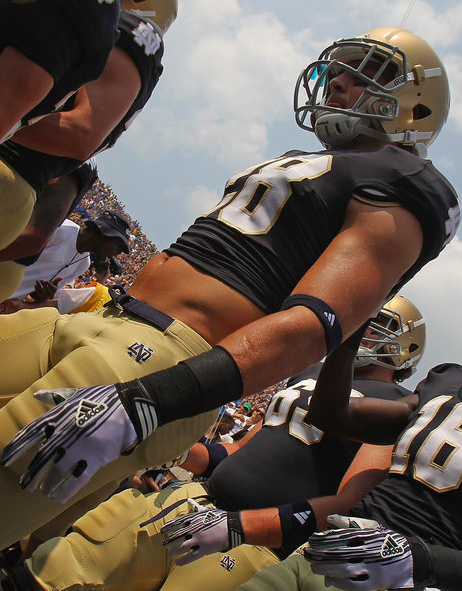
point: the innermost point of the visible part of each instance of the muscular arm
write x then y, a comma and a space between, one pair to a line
354, 276
366, 419
98, 107
369, 467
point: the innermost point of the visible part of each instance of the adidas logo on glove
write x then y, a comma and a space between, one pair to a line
390, 548
211, 517
88, 411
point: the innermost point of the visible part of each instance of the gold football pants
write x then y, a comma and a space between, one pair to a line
17, 200
107, 549
43, 349
292, 574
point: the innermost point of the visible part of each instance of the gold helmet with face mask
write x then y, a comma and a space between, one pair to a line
409, 107
160, 12
395, 338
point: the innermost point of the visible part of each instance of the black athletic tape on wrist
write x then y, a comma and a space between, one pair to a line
435, 566
194, 386
325, 314
422, 563
235, 530
298, 522
217, 453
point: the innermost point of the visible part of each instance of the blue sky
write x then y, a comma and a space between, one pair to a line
224, 102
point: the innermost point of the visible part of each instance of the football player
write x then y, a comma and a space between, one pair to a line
88, 123
286, 459
411, 532
300, 252
48, 50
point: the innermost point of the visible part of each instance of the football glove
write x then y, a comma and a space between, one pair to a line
206, 531
361, 559
87, 429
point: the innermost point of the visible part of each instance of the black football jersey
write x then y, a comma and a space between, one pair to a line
70, 39
289, 459
422, 495
276, 219
145, 47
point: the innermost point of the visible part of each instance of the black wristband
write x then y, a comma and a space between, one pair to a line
235, 530
217, 453
325, 314
436, 566
192, 387
298, 522
422, 563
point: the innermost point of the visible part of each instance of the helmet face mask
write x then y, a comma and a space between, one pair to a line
406, 92
395, 338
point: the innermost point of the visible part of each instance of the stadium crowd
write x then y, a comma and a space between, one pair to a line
101, 198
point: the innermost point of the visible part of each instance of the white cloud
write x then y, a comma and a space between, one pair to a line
200, 200
227, 79
453, 64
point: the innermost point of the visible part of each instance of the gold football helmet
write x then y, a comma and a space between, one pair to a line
408, 108
161, 12
396, 338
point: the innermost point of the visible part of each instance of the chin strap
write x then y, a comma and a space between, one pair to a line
336, 129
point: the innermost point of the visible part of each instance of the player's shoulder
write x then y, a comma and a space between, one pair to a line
444, 379
138, 36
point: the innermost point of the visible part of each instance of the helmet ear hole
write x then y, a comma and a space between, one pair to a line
413, 347
420, 112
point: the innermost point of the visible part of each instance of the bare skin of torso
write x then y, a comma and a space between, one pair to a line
204, 303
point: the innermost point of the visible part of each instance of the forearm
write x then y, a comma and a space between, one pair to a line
262, 527
276, 347
290, 525
369, 420
57, 134
330, 402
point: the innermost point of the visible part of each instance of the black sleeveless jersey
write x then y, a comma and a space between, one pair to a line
276, 219
422, 495
289, 459
145, 47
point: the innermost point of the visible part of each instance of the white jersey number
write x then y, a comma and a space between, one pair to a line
438, 461
257, 206
278, 411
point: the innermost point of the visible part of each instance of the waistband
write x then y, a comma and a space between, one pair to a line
128, 303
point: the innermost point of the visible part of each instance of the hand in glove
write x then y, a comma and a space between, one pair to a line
207, 531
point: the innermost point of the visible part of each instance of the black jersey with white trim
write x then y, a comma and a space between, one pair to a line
275, 219
145, 47
289, 459
69, 39
422, 494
